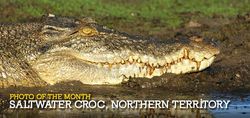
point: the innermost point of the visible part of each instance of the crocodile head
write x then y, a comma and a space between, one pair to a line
83, 50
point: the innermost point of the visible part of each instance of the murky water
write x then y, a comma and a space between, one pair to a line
238, 108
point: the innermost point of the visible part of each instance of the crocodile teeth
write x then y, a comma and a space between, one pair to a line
139, 60
123, 62
135, 57
185, 53
161, 62
130, 60
144, 59
168, 59
146, 66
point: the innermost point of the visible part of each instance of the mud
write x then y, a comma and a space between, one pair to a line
229, 74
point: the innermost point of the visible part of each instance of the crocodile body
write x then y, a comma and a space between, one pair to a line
62, 49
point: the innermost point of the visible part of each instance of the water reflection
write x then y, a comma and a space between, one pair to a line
239, 107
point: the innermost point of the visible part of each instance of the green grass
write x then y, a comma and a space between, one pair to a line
166, 11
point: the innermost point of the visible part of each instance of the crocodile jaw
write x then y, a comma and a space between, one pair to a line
183, 61
67, 64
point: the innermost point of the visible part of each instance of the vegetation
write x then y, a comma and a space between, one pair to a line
168, 12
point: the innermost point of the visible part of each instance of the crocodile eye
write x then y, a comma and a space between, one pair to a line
88, 31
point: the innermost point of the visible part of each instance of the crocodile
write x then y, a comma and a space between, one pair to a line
55, 49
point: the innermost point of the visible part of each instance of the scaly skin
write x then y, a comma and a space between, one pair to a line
63, 49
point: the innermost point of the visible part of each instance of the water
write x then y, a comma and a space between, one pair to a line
238, 108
